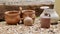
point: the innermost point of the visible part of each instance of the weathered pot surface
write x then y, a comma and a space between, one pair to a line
12, 17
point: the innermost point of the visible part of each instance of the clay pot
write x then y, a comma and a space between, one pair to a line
28, 21
12, 17
45, 21
30, 13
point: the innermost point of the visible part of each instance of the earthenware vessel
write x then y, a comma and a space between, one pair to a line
12, 17
54, 15
28, 21
30, 13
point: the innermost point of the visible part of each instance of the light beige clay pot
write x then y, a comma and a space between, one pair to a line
28, 21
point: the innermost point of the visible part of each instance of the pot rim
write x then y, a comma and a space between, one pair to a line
23, 11
7, 13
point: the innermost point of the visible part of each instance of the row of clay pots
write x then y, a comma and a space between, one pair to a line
13, 17
28, 17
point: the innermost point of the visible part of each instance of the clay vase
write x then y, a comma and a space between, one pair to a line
30, 13
12, 17
45, 21
28, 21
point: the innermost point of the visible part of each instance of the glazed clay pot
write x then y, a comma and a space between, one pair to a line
12, 17
30, 13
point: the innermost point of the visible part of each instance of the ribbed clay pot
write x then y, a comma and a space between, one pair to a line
12, 17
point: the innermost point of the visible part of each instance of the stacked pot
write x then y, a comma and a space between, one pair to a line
28, 17
14, 17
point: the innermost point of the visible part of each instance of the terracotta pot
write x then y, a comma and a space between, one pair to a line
30, 13
12, 17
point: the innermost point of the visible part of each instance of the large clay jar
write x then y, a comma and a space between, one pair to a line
45, 21
30, 13
12, 17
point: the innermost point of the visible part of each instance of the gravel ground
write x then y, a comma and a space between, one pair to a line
22, 29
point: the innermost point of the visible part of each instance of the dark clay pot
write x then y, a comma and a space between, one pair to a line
45, 21
12, 17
